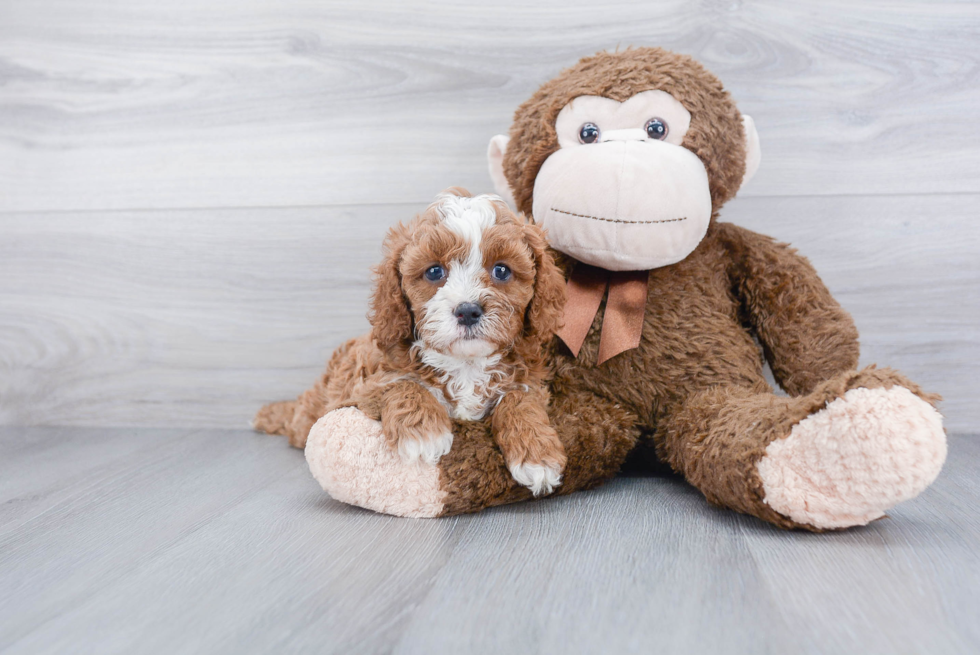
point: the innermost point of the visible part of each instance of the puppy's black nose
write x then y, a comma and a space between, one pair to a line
468, 313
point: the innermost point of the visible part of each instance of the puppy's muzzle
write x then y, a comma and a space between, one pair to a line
468, 314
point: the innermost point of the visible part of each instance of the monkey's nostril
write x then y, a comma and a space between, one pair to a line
468, 313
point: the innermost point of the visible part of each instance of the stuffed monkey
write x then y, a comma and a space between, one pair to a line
626, 159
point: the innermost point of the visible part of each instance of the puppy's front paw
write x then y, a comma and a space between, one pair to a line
535, 457
428, 448
541, 479
417, 426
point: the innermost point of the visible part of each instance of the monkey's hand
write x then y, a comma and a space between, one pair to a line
414, 423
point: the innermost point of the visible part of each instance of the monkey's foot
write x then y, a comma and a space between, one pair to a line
861, 455
351, 459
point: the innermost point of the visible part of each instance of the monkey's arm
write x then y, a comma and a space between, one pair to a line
806, 335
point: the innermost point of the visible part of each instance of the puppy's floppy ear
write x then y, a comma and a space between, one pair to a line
390, 315
544, 314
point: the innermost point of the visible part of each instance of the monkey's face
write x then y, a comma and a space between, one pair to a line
621, 192
625, 157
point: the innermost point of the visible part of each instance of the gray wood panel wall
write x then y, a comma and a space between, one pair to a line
191, 193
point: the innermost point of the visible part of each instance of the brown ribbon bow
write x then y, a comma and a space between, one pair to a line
625, 306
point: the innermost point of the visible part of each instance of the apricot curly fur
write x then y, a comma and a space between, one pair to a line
385, 375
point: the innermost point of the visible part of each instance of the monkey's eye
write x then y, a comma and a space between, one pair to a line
656, 129
588, 133
435, 273
500, 272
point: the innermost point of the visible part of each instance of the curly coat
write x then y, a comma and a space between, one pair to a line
388, 376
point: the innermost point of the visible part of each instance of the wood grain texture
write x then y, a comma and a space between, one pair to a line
195, 318
245, 103
220, 542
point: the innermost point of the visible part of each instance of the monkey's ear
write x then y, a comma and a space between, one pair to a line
753, 153
495, 157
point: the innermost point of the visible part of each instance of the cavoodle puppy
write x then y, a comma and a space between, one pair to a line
465, 300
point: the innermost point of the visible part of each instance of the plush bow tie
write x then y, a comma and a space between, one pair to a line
625, 306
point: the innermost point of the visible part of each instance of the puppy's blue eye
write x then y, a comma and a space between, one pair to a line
500, 273
435, 273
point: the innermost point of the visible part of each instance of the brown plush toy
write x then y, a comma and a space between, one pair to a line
626, 159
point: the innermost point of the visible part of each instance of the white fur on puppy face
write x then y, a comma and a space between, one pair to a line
464, 357
468, 217
465, 283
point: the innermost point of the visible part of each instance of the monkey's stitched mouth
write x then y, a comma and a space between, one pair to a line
618, 220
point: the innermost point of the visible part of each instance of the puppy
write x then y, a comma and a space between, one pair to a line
465, 301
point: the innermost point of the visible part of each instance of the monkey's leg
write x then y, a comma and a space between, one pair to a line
840, 456
349, 456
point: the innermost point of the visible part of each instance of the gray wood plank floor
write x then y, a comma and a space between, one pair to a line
218, 541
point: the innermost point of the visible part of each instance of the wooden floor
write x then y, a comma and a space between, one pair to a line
167, 541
